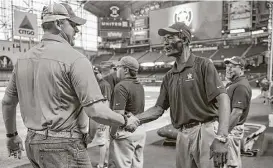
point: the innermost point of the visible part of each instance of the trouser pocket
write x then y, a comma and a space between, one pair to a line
52, 158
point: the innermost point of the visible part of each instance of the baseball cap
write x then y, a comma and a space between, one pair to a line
178, 27
72, 15
54, 12
236, 60
129, 62
97, 69
58, 11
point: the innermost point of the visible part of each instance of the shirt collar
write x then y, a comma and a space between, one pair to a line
134, 79
53, 37
238, 78
189, 63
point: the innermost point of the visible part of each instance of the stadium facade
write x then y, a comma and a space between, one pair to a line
221, 29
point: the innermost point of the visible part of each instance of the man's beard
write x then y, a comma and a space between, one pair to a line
231, 76
67, 38
172, 50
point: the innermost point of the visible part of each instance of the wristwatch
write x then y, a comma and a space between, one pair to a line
221, 138
12, 134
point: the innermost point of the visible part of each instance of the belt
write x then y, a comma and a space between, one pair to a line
195, 123
60, 134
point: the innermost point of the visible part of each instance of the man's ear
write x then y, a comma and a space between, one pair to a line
126, 70
58, 24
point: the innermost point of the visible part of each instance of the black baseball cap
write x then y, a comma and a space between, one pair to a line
178, 27
97, 69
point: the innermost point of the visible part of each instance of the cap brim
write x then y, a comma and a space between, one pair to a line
167, 30
51, 18
118, 63
78, 20
227, 61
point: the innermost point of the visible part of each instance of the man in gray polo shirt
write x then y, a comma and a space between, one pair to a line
239, 92
57, 91
191, 89
126, 149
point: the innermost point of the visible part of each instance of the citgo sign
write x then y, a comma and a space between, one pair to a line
25, 24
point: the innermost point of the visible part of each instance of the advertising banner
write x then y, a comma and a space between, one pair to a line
114, 24
141, 23
204, 18
114, 34
240, 14
140, 35
25, 24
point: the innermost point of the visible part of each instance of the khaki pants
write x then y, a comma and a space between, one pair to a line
234, 153
193, 146
127, 152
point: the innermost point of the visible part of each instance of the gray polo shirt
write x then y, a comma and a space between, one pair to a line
129, 96
239, 92
53, 82
190, 92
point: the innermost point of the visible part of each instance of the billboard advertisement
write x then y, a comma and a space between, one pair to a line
140, 35
114, 24
25, 24
240, 14
204, 18
141, 22
114, 34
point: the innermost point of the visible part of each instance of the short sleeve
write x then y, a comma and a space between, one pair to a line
240, 98
213, 85
120, 97
11, 89
163, 98
84, 82
106, 91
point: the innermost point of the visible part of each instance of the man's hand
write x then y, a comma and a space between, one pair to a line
15, 146
219, 151
133, 123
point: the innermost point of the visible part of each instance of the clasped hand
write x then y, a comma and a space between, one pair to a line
132, 124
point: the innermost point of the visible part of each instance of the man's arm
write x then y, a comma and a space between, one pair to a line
102, 114
234, 118
9, 104
161, 105
215, 90
224, 113
90, 97
240, 100
151, 114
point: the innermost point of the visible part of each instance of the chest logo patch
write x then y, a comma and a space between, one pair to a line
189, 77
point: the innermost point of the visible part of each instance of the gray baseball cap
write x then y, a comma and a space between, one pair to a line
236, 60
58, 11
129, 62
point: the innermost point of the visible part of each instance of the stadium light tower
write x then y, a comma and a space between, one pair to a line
270, 42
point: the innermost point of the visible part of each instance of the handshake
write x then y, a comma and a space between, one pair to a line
132, 122
131, 125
